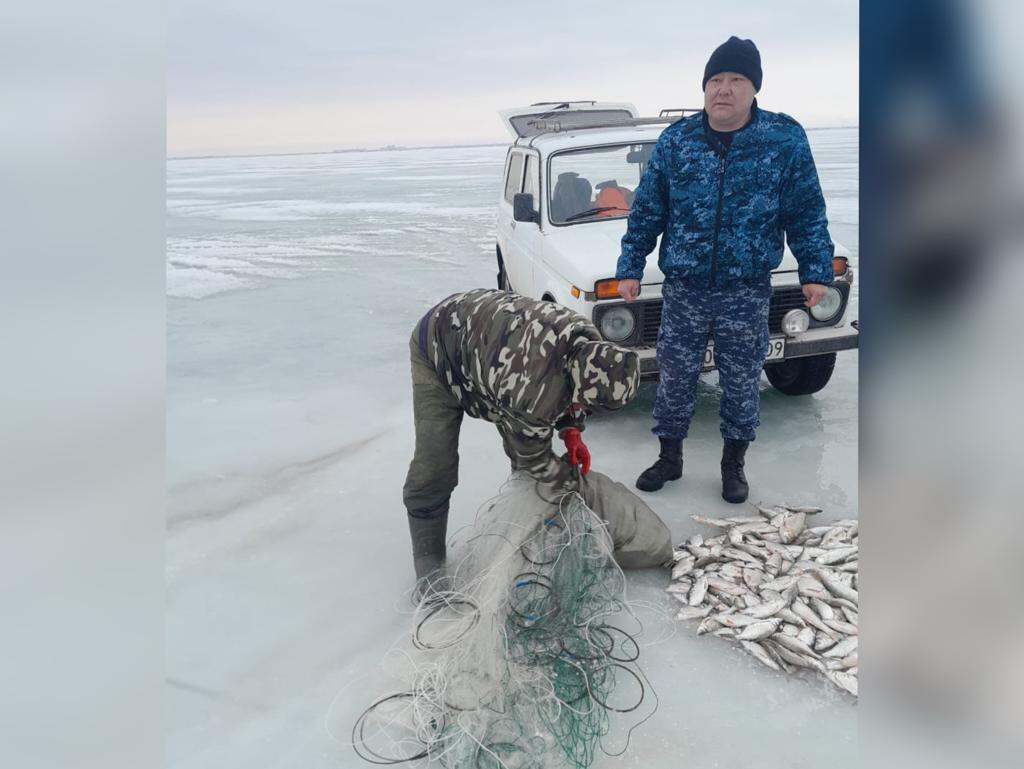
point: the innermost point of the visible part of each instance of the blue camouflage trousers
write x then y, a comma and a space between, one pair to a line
737, 318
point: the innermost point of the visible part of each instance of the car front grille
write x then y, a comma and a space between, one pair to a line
784, 299
650, 322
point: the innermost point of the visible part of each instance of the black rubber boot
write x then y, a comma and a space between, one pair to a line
429, 533
668, 467
734, 482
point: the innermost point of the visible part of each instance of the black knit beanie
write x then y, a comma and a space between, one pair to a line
735, 55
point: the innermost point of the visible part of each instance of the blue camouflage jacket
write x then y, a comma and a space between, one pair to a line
722, 213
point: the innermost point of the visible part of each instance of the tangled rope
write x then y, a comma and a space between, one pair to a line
524, 661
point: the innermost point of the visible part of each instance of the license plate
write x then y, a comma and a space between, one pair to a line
776, 351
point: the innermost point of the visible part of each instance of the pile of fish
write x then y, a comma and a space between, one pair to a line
784, 590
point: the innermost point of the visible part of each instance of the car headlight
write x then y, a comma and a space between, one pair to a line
617, 324
829, 306
795, 322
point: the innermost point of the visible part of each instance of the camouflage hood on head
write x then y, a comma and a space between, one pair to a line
604, 375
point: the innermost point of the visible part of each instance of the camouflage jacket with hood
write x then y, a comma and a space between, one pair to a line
520, 363
722, 212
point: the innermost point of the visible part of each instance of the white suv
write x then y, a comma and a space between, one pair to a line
570, 176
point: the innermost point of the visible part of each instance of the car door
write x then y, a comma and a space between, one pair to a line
530, 235
508, 237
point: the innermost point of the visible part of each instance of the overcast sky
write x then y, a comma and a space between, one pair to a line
308, 75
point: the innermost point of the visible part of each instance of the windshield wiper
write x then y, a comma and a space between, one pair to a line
591, 212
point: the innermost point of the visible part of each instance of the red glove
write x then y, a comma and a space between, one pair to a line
577, 450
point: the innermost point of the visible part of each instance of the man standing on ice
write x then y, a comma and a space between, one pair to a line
722, 189
529, 367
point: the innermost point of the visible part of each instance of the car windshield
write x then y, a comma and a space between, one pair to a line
596, 183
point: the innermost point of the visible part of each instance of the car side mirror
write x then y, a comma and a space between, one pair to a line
522, 208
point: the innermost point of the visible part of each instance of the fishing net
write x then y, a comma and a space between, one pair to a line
529, 661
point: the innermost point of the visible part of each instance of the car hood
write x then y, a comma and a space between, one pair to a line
585, 253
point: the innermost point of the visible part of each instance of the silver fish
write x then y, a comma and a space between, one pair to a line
780, 583
838, 555
825, 611
788, 592
760, 654
810, 587
794, 644
734, 620
753, 577
760, 553
843, 627
700, 589
693, 612
804, 510
738, 555
766, 609
807, 614
837, 587
792, 525
843, 680
758, 630
733, 571
773, 651
843, 648
823, 641
800, 660
709, 625
744, 520
724, 586
807, 635
790, 616
683, 567
718, 523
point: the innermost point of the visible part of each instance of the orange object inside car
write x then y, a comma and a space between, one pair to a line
614, 200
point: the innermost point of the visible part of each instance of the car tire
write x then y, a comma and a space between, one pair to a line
502, 275
801, 376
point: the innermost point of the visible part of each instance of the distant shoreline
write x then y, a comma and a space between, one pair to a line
388, 148
397, 148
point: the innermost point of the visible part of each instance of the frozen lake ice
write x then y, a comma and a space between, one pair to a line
293, 283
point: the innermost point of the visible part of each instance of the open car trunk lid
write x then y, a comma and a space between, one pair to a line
548, 116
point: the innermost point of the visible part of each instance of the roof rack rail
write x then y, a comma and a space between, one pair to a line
681, 110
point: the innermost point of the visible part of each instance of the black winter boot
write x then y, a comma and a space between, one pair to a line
429, 535
668, 467
734, 482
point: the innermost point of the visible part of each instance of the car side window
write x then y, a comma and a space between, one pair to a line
514, 182
531, 183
